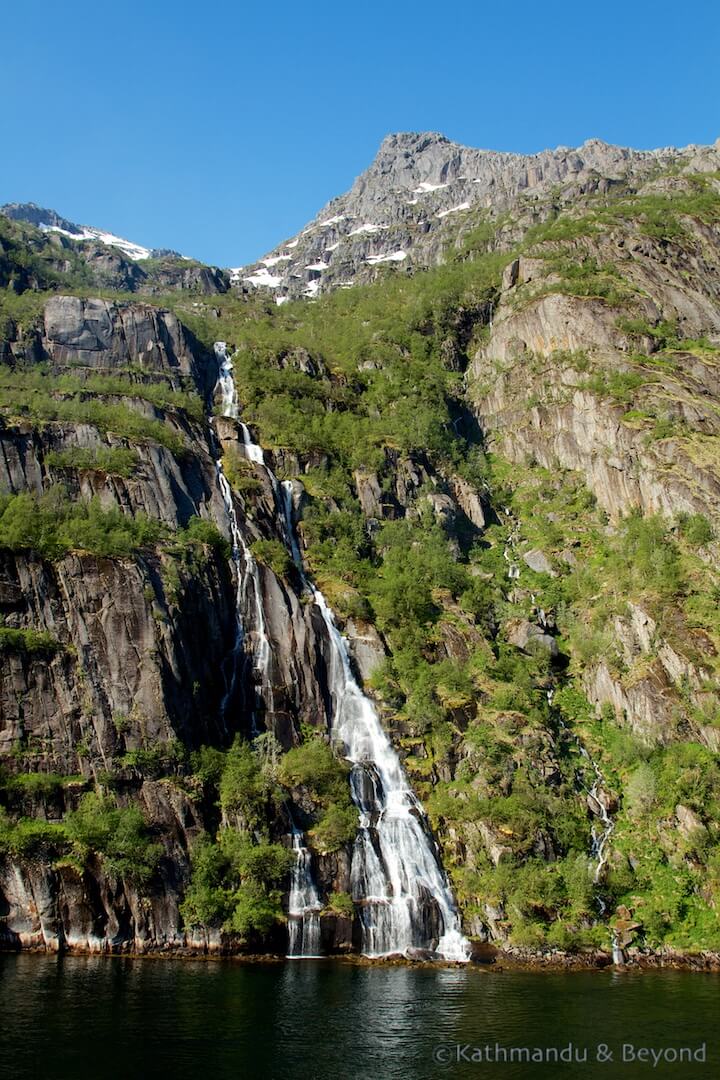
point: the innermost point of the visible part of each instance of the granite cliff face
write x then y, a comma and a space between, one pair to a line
140, 644
499, 464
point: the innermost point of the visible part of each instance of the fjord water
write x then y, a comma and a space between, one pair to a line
82, 1018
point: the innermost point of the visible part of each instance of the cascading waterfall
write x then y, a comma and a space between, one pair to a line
403, 896
404, 899
304, 906
246, 569
304, 903
509, 549
600, 837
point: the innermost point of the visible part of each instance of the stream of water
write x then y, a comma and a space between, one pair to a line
398, 885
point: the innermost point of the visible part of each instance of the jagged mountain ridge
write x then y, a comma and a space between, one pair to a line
423, 193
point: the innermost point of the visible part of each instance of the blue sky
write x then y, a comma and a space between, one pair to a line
219, 129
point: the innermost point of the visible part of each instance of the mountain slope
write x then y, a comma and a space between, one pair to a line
50, 221
39, 250
505, 481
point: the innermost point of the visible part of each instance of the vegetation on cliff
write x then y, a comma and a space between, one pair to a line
549, 636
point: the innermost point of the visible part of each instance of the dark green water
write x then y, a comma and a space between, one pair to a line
95, 1018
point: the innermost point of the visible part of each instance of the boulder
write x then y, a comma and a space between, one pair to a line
538, 561
528, 636
367, 647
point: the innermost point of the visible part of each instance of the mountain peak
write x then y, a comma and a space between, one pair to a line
423, 192
415, 140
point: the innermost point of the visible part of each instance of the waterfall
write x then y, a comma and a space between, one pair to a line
304, 906
225, 385
402, 894
247, 575
599, 837
509, 549
304, 903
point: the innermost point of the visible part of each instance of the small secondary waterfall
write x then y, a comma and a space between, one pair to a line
304, 906
509, 549
600, 837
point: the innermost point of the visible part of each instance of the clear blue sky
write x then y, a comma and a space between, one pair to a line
220, 128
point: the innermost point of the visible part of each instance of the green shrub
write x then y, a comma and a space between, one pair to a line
36, 785
114, 461
234, 884
28, 641
199, 533
244, 788
696, 529
340, 903
156, 761
121, 420
619, 385
239, 472
336, 827
52, 524
118, 835
30, 838
24, 382
274, 554
313, 765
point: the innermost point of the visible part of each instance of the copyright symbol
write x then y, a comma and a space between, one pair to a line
442, 1055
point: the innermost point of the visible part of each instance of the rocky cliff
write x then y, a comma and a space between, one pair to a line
424, 194
503, 476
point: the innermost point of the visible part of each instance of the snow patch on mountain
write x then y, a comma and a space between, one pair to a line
454, 209
426, 187
394, 256
264, 277
367, 228
133, 251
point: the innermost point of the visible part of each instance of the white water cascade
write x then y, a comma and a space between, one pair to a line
249, 578
304, 906
600, 837
403, 897
509, 550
